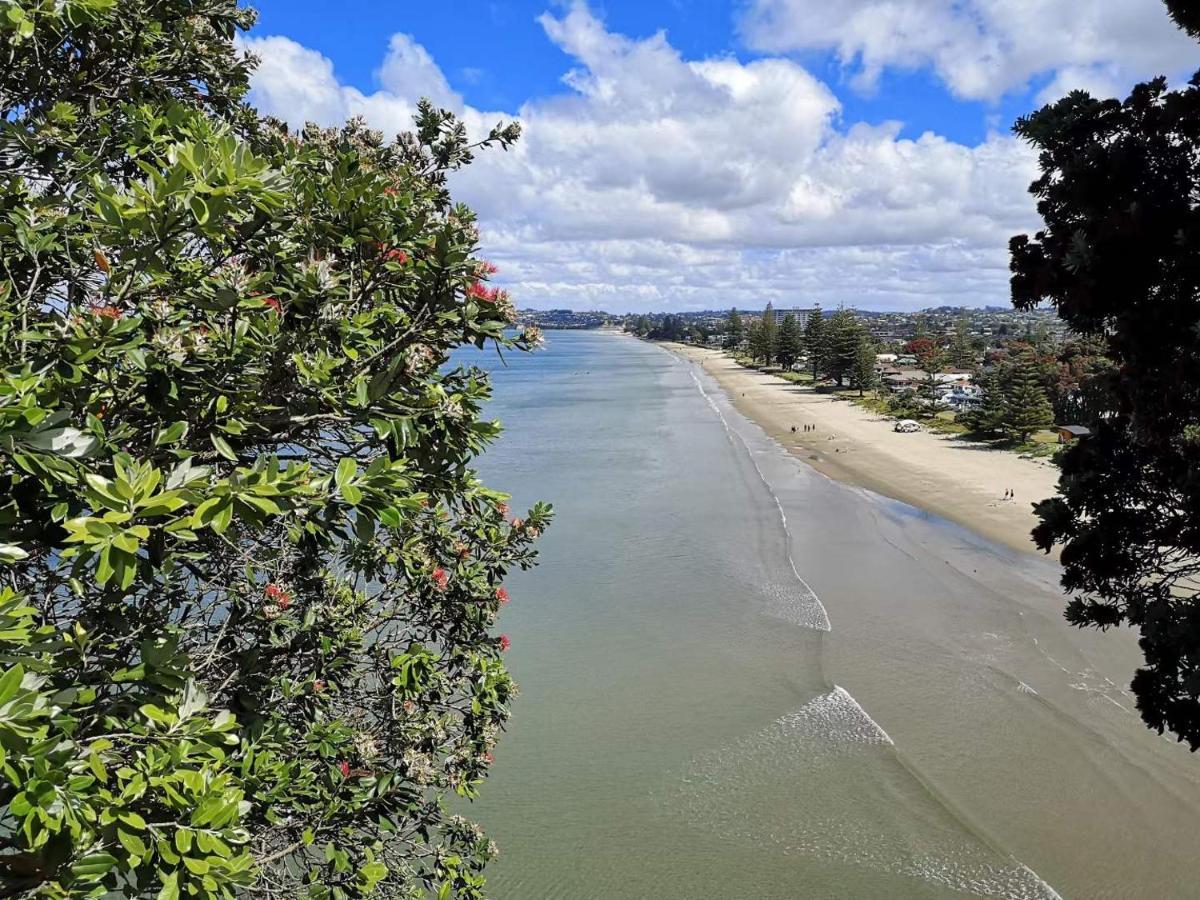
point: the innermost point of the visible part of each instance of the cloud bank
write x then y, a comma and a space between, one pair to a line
652, 181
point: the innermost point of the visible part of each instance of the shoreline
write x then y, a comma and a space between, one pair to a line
958, 480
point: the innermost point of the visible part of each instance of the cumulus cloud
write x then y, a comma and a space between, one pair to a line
982, 49
655, 181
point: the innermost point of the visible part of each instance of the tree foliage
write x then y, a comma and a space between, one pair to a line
734, 330
1026, 408
815, 342
790, 342
1119, 257
863, 376
764, 337
246, 633
842, 337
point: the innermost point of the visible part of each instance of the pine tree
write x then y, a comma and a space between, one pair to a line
1028, 409
843, 334
791, 342
734, 330
754, 338
814, 341
769, 336
863, 375
962, 354
988, 418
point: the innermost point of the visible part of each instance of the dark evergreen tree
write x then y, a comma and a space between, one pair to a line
1027, 409
988, 418
843, 333
734, 330
863, 376
814, 341
1120, 256
754, 339
769, 335
791, 342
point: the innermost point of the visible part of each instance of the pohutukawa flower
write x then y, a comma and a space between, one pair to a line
518, 524
441, 578
270, 611
344, 768
479, 291
318, 686
502, 595
396, 256
487, 268
273, 303
502, 508
505, 643
278, 594
106, 312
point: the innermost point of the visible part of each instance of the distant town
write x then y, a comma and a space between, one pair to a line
708, 326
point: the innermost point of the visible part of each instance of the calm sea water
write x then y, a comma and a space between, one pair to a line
740, 679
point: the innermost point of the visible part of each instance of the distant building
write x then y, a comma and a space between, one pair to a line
802, 316
1069, 433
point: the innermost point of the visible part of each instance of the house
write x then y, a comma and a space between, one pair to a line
1069, 433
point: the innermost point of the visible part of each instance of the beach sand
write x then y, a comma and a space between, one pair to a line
960, 480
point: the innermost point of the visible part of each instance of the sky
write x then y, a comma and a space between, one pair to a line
703, 154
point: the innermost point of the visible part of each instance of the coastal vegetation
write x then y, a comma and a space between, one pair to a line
1117, 259
250, 580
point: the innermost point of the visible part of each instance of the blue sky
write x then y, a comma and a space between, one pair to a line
497, 56
699, 153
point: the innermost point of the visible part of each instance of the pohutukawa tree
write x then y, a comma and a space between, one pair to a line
250, 581
1119, 258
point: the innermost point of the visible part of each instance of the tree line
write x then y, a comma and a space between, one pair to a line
838, 348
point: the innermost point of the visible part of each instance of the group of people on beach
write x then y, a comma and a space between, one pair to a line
1010, 494
806, 428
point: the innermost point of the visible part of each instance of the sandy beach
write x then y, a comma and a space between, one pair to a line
959, 480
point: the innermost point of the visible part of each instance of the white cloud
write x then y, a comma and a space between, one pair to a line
654, 181
983, 48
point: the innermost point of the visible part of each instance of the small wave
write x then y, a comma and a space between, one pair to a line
824, 782
805, 608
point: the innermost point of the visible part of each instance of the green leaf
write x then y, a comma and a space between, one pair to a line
199, 209
170, 887
222, 446
132, 842
94, 866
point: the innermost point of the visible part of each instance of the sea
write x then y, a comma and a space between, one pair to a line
740, 679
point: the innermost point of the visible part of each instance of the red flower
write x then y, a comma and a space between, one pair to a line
106, 312
273, 303
397, 256
488, 268
279, 595
390, 191
518, 524
502, 595
488, 758
478, 291
441, 578
502, 509
505, 643
318, 686
345, 768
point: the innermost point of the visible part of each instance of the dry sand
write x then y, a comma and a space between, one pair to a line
959, 480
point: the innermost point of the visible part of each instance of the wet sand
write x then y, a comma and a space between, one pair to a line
957, 479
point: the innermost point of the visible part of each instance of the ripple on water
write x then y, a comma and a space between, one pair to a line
824, 782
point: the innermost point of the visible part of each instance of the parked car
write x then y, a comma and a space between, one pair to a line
907, 426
